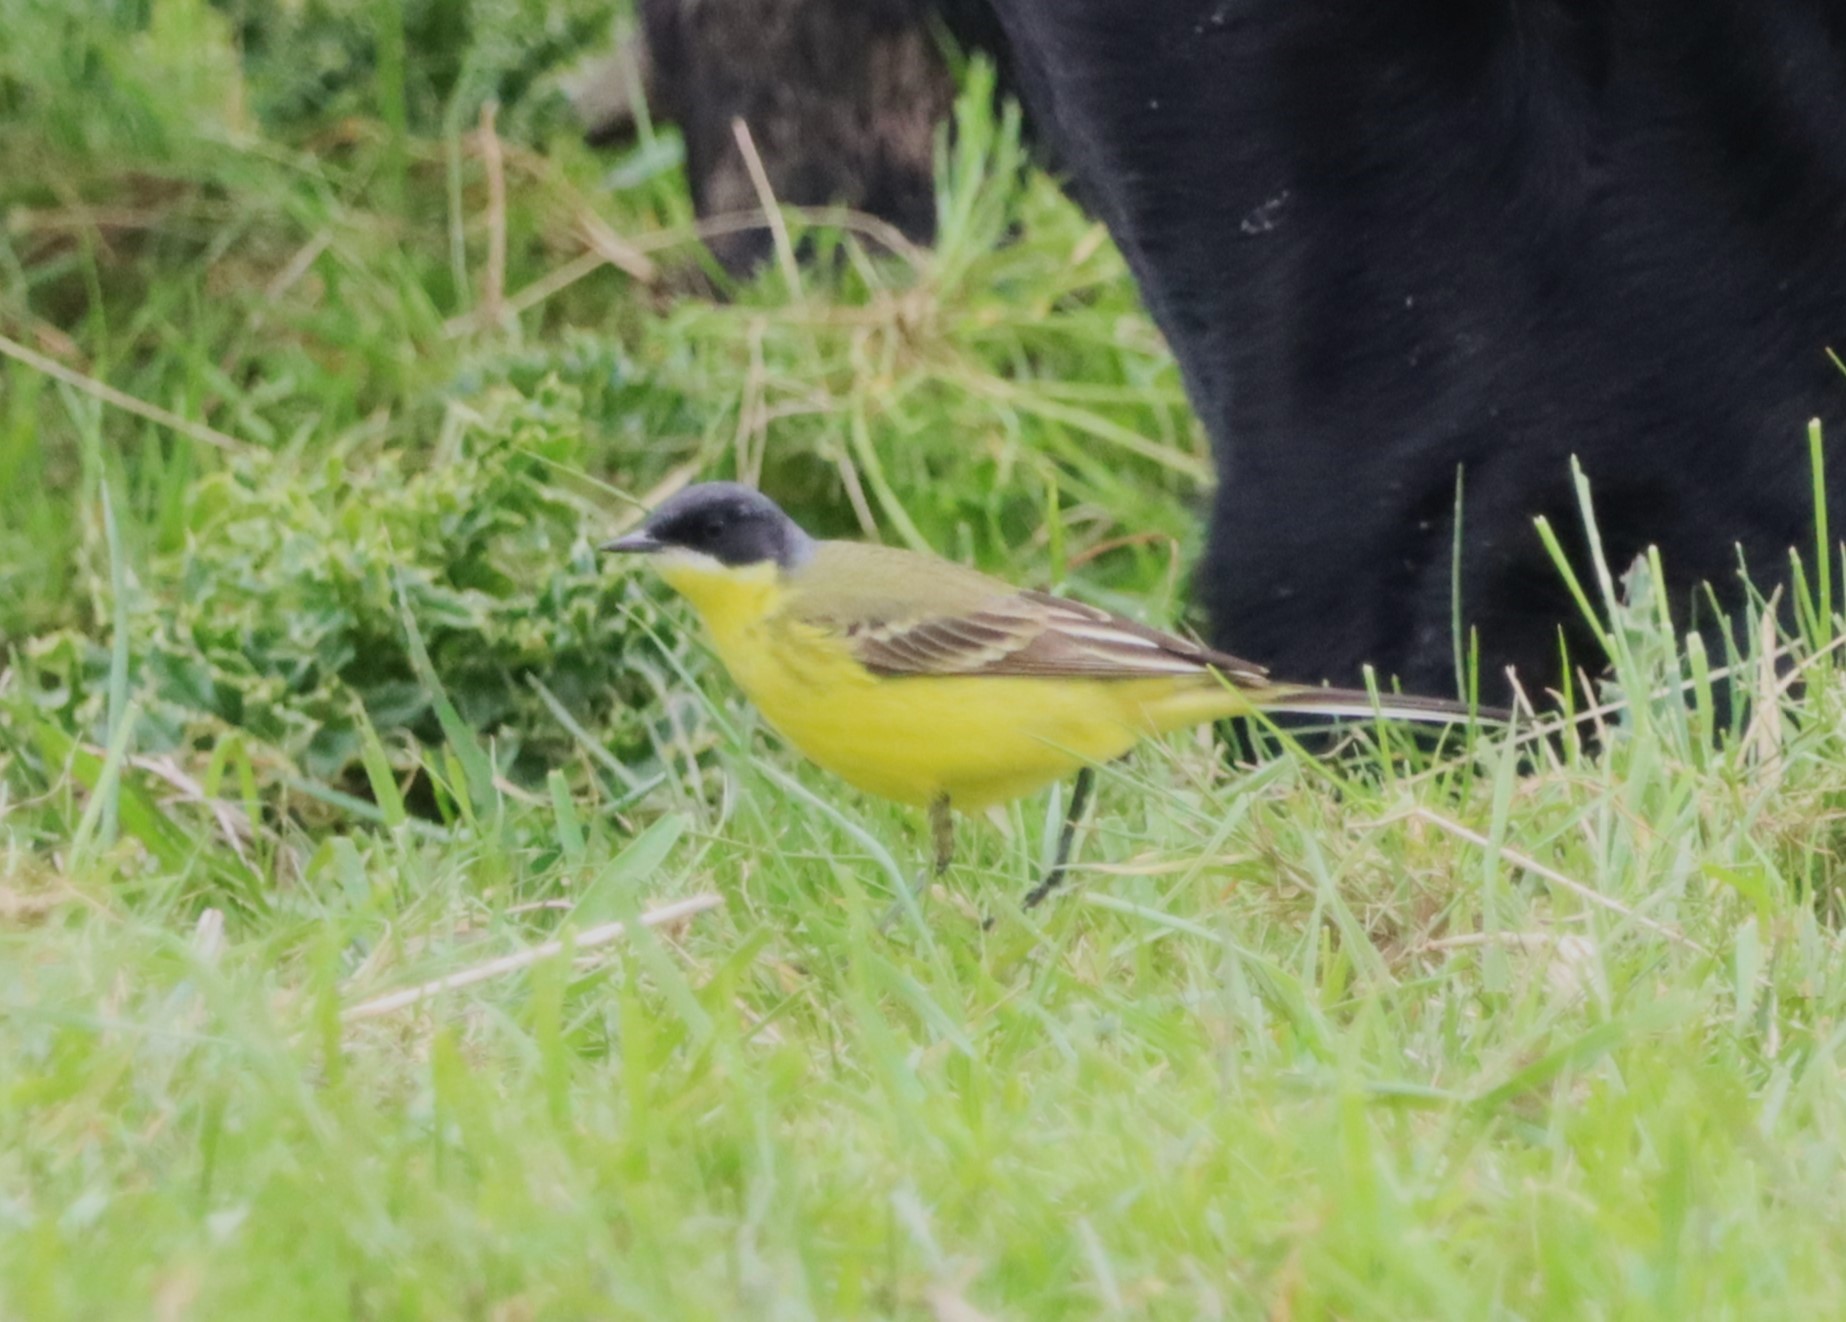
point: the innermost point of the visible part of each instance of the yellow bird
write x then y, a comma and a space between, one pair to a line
925, 682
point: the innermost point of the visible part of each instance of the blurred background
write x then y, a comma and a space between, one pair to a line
412, 321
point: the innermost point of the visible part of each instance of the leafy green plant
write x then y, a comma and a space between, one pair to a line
285, 618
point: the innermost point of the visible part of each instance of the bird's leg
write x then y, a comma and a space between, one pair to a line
942, 838
942, 833
1079, 800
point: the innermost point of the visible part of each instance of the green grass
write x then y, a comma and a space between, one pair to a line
345, 704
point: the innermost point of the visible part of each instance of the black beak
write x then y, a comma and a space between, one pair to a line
636, 543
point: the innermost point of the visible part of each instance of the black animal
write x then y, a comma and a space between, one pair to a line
1400, 243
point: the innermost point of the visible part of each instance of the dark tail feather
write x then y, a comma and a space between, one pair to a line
1394, 706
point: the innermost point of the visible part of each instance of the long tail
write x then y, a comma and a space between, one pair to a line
1215, 695
1308, 701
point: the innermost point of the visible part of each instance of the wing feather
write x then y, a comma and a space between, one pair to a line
1034, 634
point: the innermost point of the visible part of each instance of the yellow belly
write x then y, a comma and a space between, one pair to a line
979, 741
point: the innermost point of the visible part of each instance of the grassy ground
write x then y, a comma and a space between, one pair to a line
321, 694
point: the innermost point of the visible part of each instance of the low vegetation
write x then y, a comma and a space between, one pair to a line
329, 354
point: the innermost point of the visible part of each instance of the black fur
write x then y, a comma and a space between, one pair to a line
730, 523
1391, 241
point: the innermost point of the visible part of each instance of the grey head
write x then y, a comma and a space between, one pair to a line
730, 523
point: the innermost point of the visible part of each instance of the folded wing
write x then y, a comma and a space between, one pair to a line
1034, 634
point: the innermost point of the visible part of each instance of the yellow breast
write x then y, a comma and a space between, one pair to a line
980, 740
